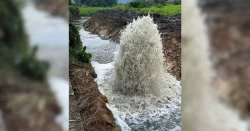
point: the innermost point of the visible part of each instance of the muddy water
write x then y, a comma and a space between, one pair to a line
150, 113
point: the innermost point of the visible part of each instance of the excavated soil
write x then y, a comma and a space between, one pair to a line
109, 23
55, 7
27, 105
229, 29
89, 102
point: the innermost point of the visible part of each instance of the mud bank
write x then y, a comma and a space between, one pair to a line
55, 7
91, 104
27, 105
229, 32
108, 24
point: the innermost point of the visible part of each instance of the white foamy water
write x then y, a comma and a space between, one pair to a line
135, 113
50, 34
60, 87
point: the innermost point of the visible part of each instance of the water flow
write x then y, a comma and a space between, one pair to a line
139, 65
147, 112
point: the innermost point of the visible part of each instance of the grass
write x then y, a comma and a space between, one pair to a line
89, 11
163, 10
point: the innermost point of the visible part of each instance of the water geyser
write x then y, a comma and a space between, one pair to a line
139, 63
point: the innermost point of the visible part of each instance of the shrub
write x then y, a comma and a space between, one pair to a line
74, 12
138, 4
74, 38
75, 46
177, 2
83, 56
31, 67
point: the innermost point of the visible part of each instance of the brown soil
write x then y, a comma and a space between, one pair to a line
109, 23
27, 105
55, 7
90, 102
75, 120
229, 29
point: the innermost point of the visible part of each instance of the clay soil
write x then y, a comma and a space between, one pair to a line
88, 101
27, 105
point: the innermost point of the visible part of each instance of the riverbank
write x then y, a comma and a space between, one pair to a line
109, 23
27, 105
91, 104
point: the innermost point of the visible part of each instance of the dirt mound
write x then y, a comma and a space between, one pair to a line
55, 7
27, 105
90, 102
109, 23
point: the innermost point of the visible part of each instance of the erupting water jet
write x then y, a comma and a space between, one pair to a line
139, 64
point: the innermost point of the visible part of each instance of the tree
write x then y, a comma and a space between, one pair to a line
97, 3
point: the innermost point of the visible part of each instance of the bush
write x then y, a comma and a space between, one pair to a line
75, 46
74, 38
138, 4
83, 56
177, 2
31, 67
159, 5
74, 12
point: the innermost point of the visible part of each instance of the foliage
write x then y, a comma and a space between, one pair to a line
75, 46
31, 67
162, 2
89, 11
15, 54
165, 10
99, 3
168, 10
74, 12
74, 38
11, 27
177, 2
83, 56
138, 4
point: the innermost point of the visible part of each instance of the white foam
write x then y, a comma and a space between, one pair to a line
139, 112
60, 87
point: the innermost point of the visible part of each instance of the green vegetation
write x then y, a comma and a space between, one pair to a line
97, 3
33, 68
74, 12
169, 9
77, 52
15, 54
89, 11
138, 4
177, 2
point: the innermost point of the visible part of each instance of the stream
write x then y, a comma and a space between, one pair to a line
150, 113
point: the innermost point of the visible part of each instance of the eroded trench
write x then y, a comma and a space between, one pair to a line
136, 113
